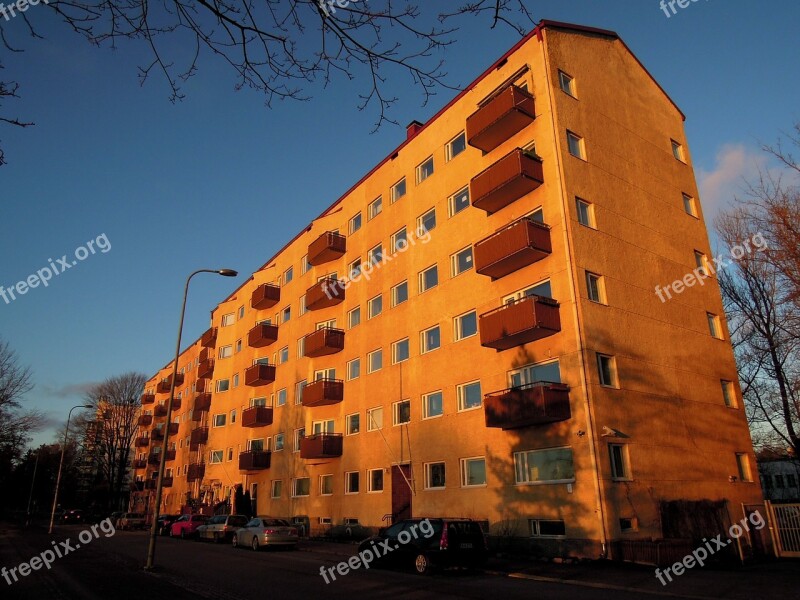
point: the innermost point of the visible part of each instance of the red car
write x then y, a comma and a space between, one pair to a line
186, 526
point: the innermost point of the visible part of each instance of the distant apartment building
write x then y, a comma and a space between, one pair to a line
780, 477
473, 329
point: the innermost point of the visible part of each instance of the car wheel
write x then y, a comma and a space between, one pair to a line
422, 564
183, 534
235, 541
254, 544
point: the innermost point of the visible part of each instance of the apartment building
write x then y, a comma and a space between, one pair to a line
473, 328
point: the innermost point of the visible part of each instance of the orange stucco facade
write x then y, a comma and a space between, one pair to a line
559, 398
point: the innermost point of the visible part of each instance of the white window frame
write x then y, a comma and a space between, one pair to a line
395, 412
427, 467
295, 482
351, 224
370, 302
422, 343
465, 473
425, 397
422, 169
458, 331
370, 364
370, 487
599, 287
371, 412
421, 282
349, 370
449, 146
375, 208
567, 84
395, 345
451, 202
612, 363
462, 396
394, 293
620, 471
572, 136
348, 490
395, 196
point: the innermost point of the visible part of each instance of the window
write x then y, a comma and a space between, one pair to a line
575, 144
374, 306
432, 405
374, 361
354, 369
233, 417
286, 315
223, 385
281, 397
376, 254
325, 485
701, 261
458, 201
283, 355
434, 476
713, 326
461, 261
322, 427
225, 351
278, 442
354, 269
428, 279
401, 412
456, 146
375, 480
553, 465
677, 151
352, 424
430, 339
305, 266
238, 345
301, 486
728, 394
374, 418
277, 488
374, 208
620, 467
351, 481
399, 241
465, 326
257, 445
241, 313
302, 309
469, 395
585, 213
235, 380
399, 293
547, 528
596, 288
606, 368
298, 391
627, 524
355, 223
399, 190
779, 484
425, 170
216, 456
299, 434
426, 222
743, 463
567, 83
228, 320
288, 275
354, 317
219, 420
400, 351
689, 205
791, 480
473, 471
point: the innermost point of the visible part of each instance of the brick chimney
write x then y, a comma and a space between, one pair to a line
412, 129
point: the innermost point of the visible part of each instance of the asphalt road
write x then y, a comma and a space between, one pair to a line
111, 568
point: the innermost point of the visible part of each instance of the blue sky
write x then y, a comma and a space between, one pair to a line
218, 180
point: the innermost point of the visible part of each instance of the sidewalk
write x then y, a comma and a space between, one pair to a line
777, 580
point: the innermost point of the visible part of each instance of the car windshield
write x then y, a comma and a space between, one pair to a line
237, 521
275, 523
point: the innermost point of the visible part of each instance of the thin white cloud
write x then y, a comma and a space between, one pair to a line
735, 165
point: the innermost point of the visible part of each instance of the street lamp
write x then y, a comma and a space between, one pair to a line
151, 548
61, 464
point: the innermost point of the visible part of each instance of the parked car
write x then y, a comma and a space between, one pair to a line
221, 527
132, 521
115, 517
165, 523
265, 531
72, 516
186, 526
439, 543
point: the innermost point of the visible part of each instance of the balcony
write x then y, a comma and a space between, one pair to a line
148, 398
205, 369
323, 392
536, 403
164, 385
526, 320
507, 180
151, 484
158, 434
160, 410
155, 457
522, 243
325, 293
140, 463
142, 442
262, 335
327, 247
507, 113
254, 460
321, 445
199, 436
202, 402
145, 420
196, 471
324, 341
209, 338
259, 374
197, 415
264, 296
257, 416
137, 486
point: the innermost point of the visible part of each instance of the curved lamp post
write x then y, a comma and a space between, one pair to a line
61, 464
151, 548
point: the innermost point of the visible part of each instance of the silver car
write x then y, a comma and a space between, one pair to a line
221, 528
265, 531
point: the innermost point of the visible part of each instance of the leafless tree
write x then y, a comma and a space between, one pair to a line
15, 381
280, 48
109, 435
